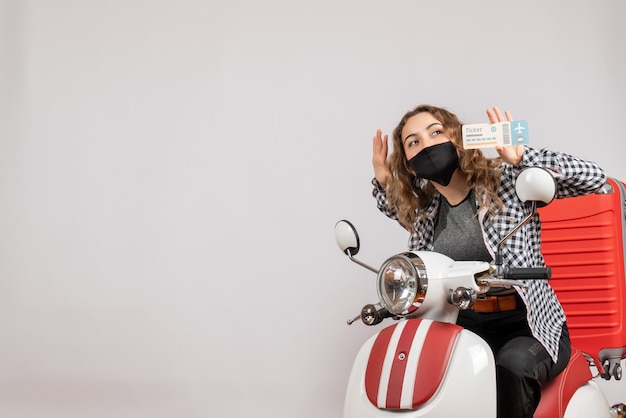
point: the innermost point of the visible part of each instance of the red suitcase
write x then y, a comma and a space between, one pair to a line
583, 242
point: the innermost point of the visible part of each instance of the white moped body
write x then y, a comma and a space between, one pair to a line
424, 365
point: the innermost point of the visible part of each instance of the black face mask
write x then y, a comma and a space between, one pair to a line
436, 163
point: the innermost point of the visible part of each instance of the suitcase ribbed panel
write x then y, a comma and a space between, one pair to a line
583, 243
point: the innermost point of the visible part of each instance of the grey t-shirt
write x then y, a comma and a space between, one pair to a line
457, 231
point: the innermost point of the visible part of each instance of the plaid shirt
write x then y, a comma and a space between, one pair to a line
574, 177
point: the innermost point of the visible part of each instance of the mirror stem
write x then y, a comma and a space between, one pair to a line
361, 263
499, 267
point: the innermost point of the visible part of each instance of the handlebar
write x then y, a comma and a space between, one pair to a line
527, 273
513, 276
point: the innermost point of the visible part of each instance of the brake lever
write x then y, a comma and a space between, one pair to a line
502, 283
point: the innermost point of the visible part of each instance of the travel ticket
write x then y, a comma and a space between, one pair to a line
487, 135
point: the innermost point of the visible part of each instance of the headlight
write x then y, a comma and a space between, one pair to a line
402, 283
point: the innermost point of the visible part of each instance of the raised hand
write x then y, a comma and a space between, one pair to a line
511, 154
379, 157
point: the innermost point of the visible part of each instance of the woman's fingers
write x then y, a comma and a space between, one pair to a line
495, 115
498, 114
379, 157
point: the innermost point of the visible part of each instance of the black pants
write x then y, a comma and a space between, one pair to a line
522, 363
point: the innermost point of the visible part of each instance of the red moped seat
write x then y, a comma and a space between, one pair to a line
557, 393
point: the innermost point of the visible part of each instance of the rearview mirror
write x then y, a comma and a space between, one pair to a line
535, 184
347, 238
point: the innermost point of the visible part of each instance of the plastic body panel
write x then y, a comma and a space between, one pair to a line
588, 401
468, 385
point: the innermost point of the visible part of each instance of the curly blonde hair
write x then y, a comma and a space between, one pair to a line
410, 195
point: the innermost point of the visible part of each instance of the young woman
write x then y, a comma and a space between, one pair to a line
461, 204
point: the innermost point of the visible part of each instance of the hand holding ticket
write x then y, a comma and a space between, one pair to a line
488, 135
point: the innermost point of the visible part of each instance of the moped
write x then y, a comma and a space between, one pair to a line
424, 365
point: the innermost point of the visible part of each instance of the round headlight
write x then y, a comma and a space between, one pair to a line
402, 283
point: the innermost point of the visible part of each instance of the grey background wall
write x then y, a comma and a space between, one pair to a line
171, 172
